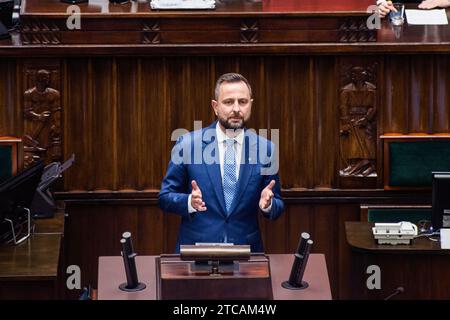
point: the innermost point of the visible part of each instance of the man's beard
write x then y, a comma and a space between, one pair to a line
227, 124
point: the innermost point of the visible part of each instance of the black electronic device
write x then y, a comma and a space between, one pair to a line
9, 17
129, 255
440, 217
43, 205
6, 12
16, 195
301, 256
4, 34
6, 9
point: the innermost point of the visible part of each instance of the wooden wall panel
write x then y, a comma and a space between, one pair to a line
77, 122
274, 234
104, 124
113, 105
154, 134
295, 226
345, 212
324, 233
421, 94
133, 105
200, 85
118, 104
416, 98
9, 104
224, 64
288, 98
128, 132
441, 94
253, 69
171, 227
326, 115
396, 97
181, 114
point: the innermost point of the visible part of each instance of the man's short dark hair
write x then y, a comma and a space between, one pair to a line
231, 78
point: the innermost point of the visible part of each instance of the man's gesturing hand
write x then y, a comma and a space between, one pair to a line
266, 196
196, 197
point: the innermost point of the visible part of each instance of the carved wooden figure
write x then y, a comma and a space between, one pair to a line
42, 112
357, 124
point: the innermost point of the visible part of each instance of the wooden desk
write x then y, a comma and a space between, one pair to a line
312, 26
233, 22
111, 275
30, 270
422, 268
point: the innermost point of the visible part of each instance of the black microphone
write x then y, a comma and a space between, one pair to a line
128, 255
396, 292
302, 242
295, 281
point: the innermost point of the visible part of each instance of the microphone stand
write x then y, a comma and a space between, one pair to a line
295, 281
128, 255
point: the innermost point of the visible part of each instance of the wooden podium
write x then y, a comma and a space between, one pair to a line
178, 279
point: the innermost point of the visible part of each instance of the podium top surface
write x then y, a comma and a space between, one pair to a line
360, 238
112, 274
230, 8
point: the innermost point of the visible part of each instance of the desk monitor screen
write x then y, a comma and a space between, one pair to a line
18, 191
441, 200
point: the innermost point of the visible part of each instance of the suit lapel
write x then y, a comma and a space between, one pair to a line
245, 170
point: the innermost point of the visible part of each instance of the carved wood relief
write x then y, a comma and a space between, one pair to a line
42, 116
357, 121
355, 30
249, 31
40, 32
151, 32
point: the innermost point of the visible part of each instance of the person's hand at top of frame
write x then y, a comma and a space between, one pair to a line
430, 4
384, 7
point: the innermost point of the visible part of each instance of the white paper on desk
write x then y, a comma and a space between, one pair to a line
445, 238
432, 17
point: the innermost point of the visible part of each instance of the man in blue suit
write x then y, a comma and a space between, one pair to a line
220, 178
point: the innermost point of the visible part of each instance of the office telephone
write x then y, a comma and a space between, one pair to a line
394, 233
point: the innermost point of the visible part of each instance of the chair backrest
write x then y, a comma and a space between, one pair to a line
410, 159
392, 213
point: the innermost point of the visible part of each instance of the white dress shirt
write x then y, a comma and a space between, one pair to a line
221, 141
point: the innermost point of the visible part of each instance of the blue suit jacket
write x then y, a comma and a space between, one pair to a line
240, 225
